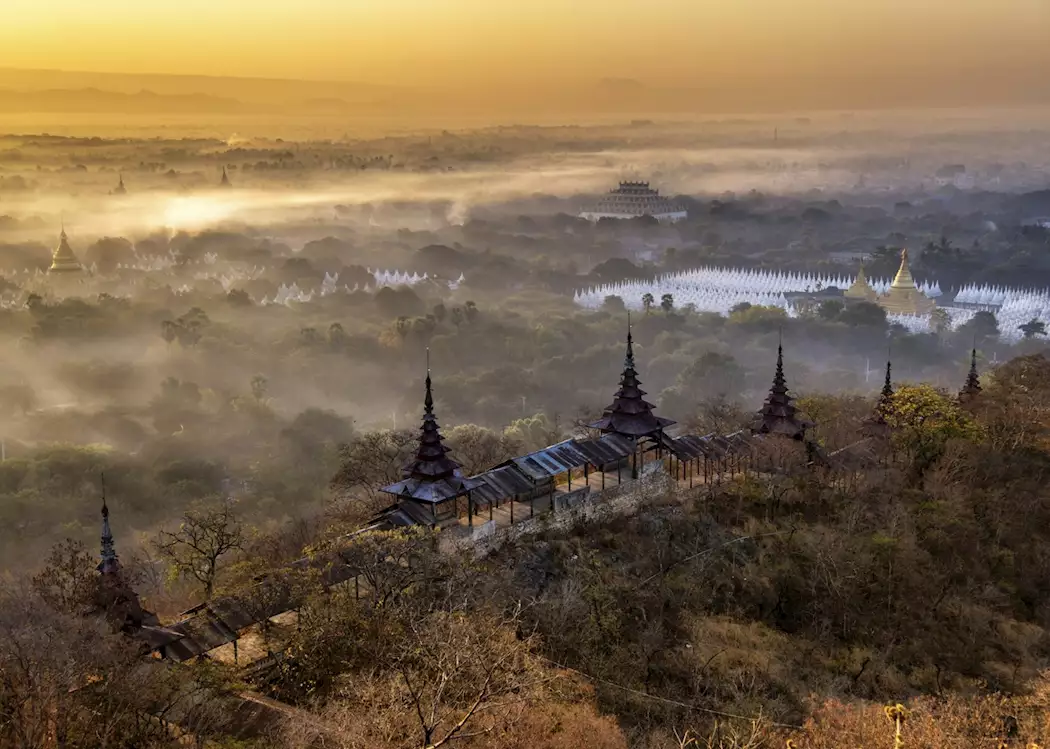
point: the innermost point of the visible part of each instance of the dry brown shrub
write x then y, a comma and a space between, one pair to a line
956, 722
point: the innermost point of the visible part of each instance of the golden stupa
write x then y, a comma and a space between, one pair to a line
861, 289
63, 260
904, 298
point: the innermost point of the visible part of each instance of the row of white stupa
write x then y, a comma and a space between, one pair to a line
720, 289
764, 281
289, 293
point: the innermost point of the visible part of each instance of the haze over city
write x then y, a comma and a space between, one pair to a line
620, 375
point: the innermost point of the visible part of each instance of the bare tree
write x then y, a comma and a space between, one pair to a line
372, 461
479, 449
68, 580
205, 535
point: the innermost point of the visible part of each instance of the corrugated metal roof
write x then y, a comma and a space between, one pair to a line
608, 448
502, 483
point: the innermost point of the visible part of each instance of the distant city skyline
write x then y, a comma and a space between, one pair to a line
804, 53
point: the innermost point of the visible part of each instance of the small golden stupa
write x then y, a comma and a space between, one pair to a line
63, 260
904, 298
861, 289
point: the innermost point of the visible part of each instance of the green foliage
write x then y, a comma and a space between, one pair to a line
924, 420
758, 317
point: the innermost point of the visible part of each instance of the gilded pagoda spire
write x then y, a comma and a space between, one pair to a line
972, 388
903, 279
903, 297
63, 259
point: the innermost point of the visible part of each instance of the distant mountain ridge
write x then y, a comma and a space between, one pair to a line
93, 100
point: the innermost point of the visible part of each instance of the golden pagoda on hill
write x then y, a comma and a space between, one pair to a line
904, 298
861, 289
63, 260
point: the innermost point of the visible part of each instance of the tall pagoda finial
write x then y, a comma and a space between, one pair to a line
628, 361
428, 400
109, 563
778, 378
903, 279
972, 388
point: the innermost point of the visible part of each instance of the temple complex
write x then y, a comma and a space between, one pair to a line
903, 298
433, 482
779, 415
63, 260
633, 200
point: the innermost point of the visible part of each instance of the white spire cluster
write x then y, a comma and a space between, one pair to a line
396, 278
720, 289
711, 289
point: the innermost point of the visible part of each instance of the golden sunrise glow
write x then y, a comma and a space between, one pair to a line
774, 47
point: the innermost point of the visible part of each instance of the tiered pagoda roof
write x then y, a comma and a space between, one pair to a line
630, 414
972, 388
113, 597
64, 260
779, 415
431, 476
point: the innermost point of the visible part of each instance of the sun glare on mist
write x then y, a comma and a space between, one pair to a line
196, 212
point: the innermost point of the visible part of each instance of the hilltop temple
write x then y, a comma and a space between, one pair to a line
634, 200
902, 298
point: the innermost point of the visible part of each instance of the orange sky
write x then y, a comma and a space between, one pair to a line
772, 45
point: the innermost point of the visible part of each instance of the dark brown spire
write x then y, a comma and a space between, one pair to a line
887, 387
431, 462
108, 564
779, 414
225, 181
630, 414
431, 476
972, 388
876, 423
